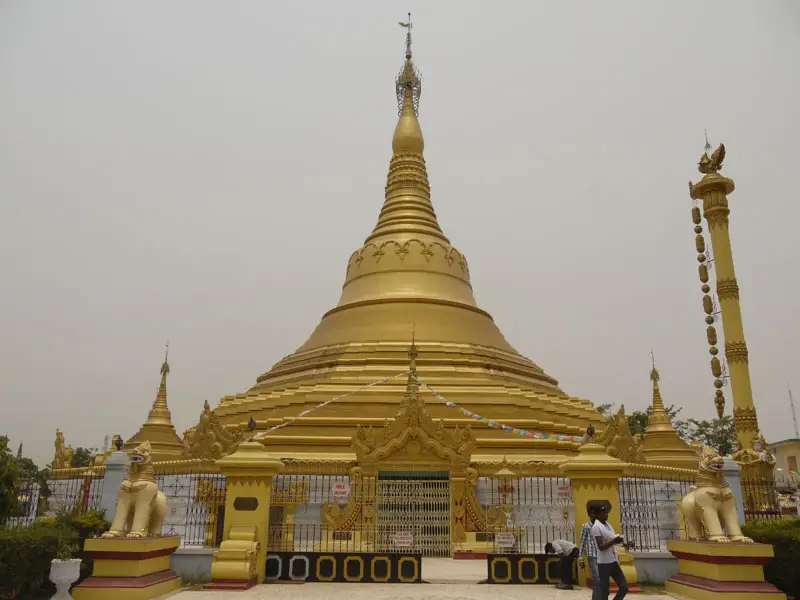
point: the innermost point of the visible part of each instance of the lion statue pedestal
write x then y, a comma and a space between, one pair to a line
132, 559
717, 561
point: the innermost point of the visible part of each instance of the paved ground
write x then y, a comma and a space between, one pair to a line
372, 591
449, 580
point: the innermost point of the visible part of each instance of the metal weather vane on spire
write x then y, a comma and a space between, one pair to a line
409, 79
408, 26
654, 376
710, 164
165, 366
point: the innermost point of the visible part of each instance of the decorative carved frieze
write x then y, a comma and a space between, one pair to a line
727, 288
736, 352
618, 440
745, 418
209, 439
413, 437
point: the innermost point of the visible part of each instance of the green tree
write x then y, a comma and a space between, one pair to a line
27, 469
30, 472
603, 408
9, 480
82, 457
720, 434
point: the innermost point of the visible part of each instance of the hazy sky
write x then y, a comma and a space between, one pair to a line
201, 171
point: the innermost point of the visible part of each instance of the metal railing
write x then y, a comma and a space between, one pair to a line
341, 511
648, 510
195, 505
760, 499
786, 481
75, 491
523, 514
30, 504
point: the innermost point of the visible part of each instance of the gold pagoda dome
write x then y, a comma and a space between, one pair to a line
406, 277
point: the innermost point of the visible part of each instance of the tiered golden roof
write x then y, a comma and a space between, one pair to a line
158, 429
407, 276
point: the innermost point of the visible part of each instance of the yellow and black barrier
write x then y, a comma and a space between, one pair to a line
518, 569
344, 567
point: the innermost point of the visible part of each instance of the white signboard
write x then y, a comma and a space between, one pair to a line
341, 491
564, 492
403, 539
504, 539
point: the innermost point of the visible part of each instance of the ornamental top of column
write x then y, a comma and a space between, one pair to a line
710, 165
250, 460
593, 463
710, 183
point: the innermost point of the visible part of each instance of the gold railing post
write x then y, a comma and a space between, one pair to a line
594, 475
241, 559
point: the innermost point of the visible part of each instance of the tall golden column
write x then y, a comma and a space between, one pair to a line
713, 190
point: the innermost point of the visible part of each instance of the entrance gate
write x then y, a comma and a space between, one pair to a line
413, 512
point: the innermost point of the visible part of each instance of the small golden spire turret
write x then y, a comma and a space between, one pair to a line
658, 420
160, 413
158, 429
413, 353
662, 444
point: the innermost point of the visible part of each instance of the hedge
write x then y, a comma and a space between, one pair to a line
26, 552
784, 535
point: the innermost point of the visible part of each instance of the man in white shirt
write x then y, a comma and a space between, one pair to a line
567, 551
607, 558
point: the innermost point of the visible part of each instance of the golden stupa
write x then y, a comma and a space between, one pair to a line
661, 444
407, 279
158, 429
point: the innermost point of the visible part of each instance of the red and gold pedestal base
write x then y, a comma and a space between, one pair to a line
733, 571
126, 569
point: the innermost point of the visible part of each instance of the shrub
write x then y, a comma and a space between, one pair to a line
25, 555
82, 526
784, 536
88, 525
26, 552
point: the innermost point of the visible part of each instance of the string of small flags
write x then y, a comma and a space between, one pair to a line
291, 420
497, 425
788, 471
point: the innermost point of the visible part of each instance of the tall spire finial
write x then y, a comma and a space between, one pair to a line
654, 376
658, 414
408, 26
160, 412
165, 365
707, 147
413, 353
409, 80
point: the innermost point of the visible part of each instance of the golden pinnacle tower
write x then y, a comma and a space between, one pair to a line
662, 443
406, 277
158, 429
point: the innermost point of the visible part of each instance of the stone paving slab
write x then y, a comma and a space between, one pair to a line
399, 591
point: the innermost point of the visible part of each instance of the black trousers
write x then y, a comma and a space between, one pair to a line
612, 571
565, 567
